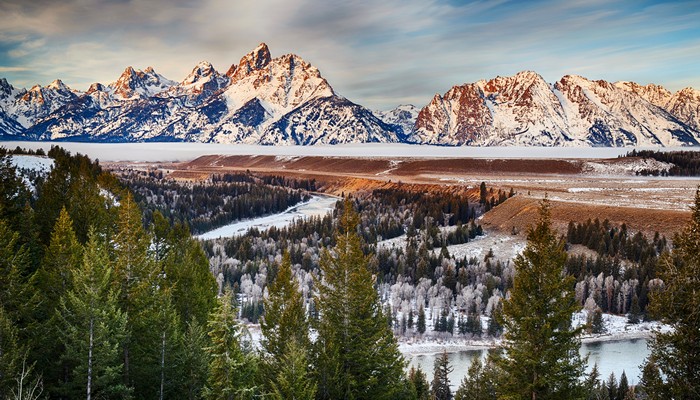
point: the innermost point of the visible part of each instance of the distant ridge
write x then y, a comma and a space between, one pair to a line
286, 101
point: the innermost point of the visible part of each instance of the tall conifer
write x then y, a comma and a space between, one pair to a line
676, 353
540, 357
357, 354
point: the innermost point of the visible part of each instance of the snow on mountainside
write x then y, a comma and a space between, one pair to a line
523, 110
259, 100
285, 100
404, 116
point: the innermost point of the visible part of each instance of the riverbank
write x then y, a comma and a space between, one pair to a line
617, 329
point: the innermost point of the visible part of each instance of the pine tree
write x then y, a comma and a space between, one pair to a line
292, 380
420, 325
93, 328
285, 328
651, 386
540, 352
479, 383
357, 354
134, 272
231, 369
420, 384
635, 312
13, 266
440, 388
49, 283
623, 387
10, 354
677, 353
193, 361
285, 317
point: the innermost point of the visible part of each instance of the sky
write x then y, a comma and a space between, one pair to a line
378, 53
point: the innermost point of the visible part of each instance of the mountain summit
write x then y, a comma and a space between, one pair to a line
286, 100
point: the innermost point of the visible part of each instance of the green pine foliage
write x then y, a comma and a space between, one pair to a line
93, 328
10, 354
357, 354
232, 368
285, 330
479, 383
419, 383
292, 381
677, 353
440, 387
540, 350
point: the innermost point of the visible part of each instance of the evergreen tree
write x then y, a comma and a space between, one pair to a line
651, 386
677, 353
623, 388
285, 328
13, 266
479, 383
634, 315
10, 354
134, 272
358, 356
193, 361
420, 325
13, 194
596, 321
285, 317
49, 283
540, 351
93, 328
612, 386
231, 369
292, 380
420, 384
440, 388
186, 268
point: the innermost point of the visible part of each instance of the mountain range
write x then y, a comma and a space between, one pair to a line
286, 101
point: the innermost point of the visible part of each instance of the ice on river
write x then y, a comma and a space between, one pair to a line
317, 206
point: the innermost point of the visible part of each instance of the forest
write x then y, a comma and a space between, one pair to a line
685, 163
137, 308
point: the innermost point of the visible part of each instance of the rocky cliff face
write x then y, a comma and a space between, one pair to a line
286, 100
524, 110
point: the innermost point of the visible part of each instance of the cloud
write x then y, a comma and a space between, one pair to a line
377, 53
13, 69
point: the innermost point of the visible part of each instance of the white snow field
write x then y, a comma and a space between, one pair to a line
187, 151
317, 206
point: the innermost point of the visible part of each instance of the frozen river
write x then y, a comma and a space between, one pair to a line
319, 205
611, 356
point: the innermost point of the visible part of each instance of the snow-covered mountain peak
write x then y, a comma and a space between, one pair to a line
404, 116
6, 89
134, 84
96, 87
201, 83
280, 84
251, 62
58, 85
654, 94
201, 71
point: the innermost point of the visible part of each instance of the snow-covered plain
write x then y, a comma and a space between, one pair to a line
317, 206
187, 151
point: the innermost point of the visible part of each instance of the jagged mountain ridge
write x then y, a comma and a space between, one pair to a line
524, 110
260, 100
286, 101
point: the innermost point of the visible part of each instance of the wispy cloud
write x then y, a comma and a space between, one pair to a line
13, 69
378, 53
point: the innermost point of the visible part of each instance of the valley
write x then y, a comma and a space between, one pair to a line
603, 188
